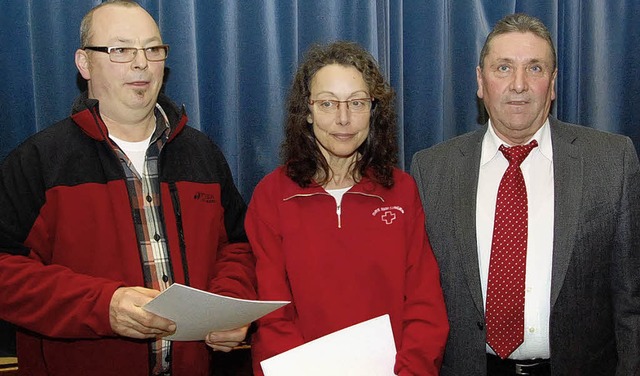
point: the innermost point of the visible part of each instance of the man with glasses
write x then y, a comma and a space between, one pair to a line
105, 209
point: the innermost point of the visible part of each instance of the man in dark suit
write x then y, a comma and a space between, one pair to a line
581, 281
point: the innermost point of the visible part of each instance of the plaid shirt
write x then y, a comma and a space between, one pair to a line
144, 195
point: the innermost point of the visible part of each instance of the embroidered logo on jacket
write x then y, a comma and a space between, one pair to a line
388, 214
205, 197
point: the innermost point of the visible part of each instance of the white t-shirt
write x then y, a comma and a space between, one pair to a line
135, 151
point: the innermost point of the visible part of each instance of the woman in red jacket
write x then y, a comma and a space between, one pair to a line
339, 230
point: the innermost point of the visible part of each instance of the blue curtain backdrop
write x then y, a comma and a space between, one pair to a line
231, 63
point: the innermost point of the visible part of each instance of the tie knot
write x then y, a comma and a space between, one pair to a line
517, 154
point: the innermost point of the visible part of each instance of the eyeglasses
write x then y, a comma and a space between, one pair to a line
331, 106
128, 54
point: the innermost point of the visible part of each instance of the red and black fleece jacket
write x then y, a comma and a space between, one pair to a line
67, 235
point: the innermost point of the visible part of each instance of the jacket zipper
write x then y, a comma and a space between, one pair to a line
175, 200
338, 206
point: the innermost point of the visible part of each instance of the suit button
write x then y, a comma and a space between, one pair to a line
480, 325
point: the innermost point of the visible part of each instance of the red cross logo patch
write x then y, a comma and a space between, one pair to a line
388, 214
388, 217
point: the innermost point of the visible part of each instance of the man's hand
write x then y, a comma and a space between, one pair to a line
227, 340
128, 319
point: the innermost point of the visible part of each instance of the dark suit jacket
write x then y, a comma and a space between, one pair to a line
595, 286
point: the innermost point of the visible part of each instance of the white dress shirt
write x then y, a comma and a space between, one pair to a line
537, 169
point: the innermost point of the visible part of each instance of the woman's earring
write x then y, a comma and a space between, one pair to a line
309, 119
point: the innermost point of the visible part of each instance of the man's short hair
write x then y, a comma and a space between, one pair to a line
521, 23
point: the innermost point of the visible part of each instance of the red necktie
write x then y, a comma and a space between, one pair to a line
507, 265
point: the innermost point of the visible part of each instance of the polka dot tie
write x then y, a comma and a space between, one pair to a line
505, 286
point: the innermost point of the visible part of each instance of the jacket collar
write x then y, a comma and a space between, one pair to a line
365, 186
86, 114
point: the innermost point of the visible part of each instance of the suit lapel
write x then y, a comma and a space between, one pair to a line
466, 179
568, 175
568, 185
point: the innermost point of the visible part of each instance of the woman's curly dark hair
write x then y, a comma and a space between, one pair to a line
379, 152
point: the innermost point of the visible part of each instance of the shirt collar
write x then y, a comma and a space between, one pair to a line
491, 142
162, 124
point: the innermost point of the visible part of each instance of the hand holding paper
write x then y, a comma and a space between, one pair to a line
128, 319
227, 340
197, 312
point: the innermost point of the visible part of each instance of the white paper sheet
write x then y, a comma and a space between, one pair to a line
364, 349
197, 312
